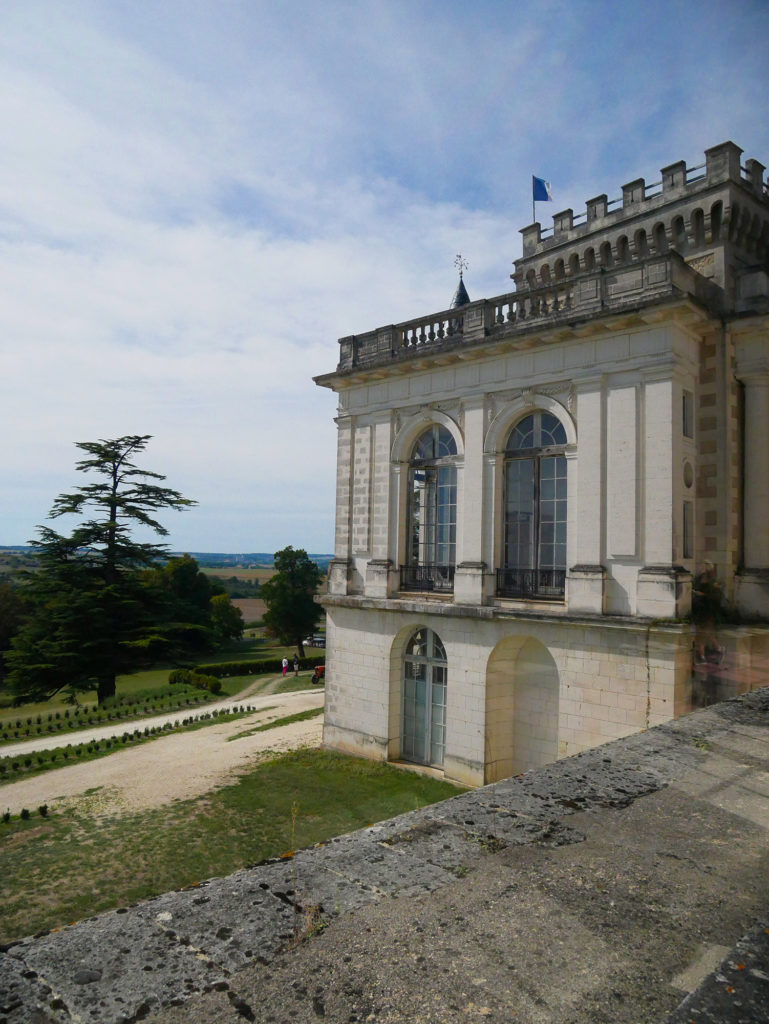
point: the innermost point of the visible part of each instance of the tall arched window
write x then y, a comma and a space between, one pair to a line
424, 699
534, 557
432, 514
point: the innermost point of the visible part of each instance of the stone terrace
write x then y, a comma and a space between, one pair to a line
628, 883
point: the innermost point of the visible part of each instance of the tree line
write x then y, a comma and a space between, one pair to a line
102, 603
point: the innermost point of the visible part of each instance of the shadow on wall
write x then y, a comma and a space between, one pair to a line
522, 708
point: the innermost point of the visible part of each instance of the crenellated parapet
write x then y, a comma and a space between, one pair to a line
715, 215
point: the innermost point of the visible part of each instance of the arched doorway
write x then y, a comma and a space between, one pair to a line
423, 735
522, 698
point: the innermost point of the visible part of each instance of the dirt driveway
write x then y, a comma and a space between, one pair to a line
174, 767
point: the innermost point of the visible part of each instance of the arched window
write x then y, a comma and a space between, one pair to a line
424, 699
607, 260
680, 239
432, 513
535, 509
641, 244
589, 258
698, 227
716, 216
660, 239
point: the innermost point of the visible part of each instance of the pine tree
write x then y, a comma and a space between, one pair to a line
95, 608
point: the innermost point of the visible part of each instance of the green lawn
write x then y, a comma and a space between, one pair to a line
63, 868
157, 679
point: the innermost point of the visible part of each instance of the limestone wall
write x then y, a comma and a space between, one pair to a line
521, 692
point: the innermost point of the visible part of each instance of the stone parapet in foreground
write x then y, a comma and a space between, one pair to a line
627, 883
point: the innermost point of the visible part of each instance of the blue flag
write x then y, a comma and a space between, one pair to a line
540, 190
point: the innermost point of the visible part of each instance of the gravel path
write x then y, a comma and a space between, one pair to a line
174, 767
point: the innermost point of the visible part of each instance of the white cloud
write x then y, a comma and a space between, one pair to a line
198, 199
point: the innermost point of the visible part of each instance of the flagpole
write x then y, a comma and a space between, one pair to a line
533, 211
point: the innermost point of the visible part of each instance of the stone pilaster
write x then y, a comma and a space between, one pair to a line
663, 591
469, 583
752, 592
586, 579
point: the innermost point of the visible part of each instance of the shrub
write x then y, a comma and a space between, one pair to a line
24, 814
43, 810
196, 678
6, 816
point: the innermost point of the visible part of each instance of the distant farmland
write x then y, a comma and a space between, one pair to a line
252, 608
240, 572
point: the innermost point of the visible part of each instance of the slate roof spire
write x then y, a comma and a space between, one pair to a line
461, 298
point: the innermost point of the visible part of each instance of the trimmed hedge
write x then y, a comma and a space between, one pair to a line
191, 677
247, 668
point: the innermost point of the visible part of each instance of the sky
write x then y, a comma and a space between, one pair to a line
199, 197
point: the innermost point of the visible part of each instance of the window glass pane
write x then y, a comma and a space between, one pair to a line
536, 505
417, 645
433, 514
538, 430
435, 443
519, 517
522, 435
423, 735
445, 443
552, 431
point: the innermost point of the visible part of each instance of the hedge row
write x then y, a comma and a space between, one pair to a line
247, 668
192, 677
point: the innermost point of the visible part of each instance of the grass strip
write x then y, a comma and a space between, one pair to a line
73, 864
300, 716
24, 766
28, 727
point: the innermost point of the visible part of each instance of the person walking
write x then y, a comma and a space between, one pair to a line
296, 665
285, 666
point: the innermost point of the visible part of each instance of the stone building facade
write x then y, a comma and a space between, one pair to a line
527, 485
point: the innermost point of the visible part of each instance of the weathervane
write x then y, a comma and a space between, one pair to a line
460, 263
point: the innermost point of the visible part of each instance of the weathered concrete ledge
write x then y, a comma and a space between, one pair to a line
557, 896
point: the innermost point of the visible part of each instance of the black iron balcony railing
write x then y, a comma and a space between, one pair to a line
543, 584
437, 578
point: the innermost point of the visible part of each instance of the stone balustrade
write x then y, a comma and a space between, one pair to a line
530, 308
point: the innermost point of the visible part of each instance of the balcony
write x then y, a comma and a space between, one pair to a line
438, 579
536, 584
559, 302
